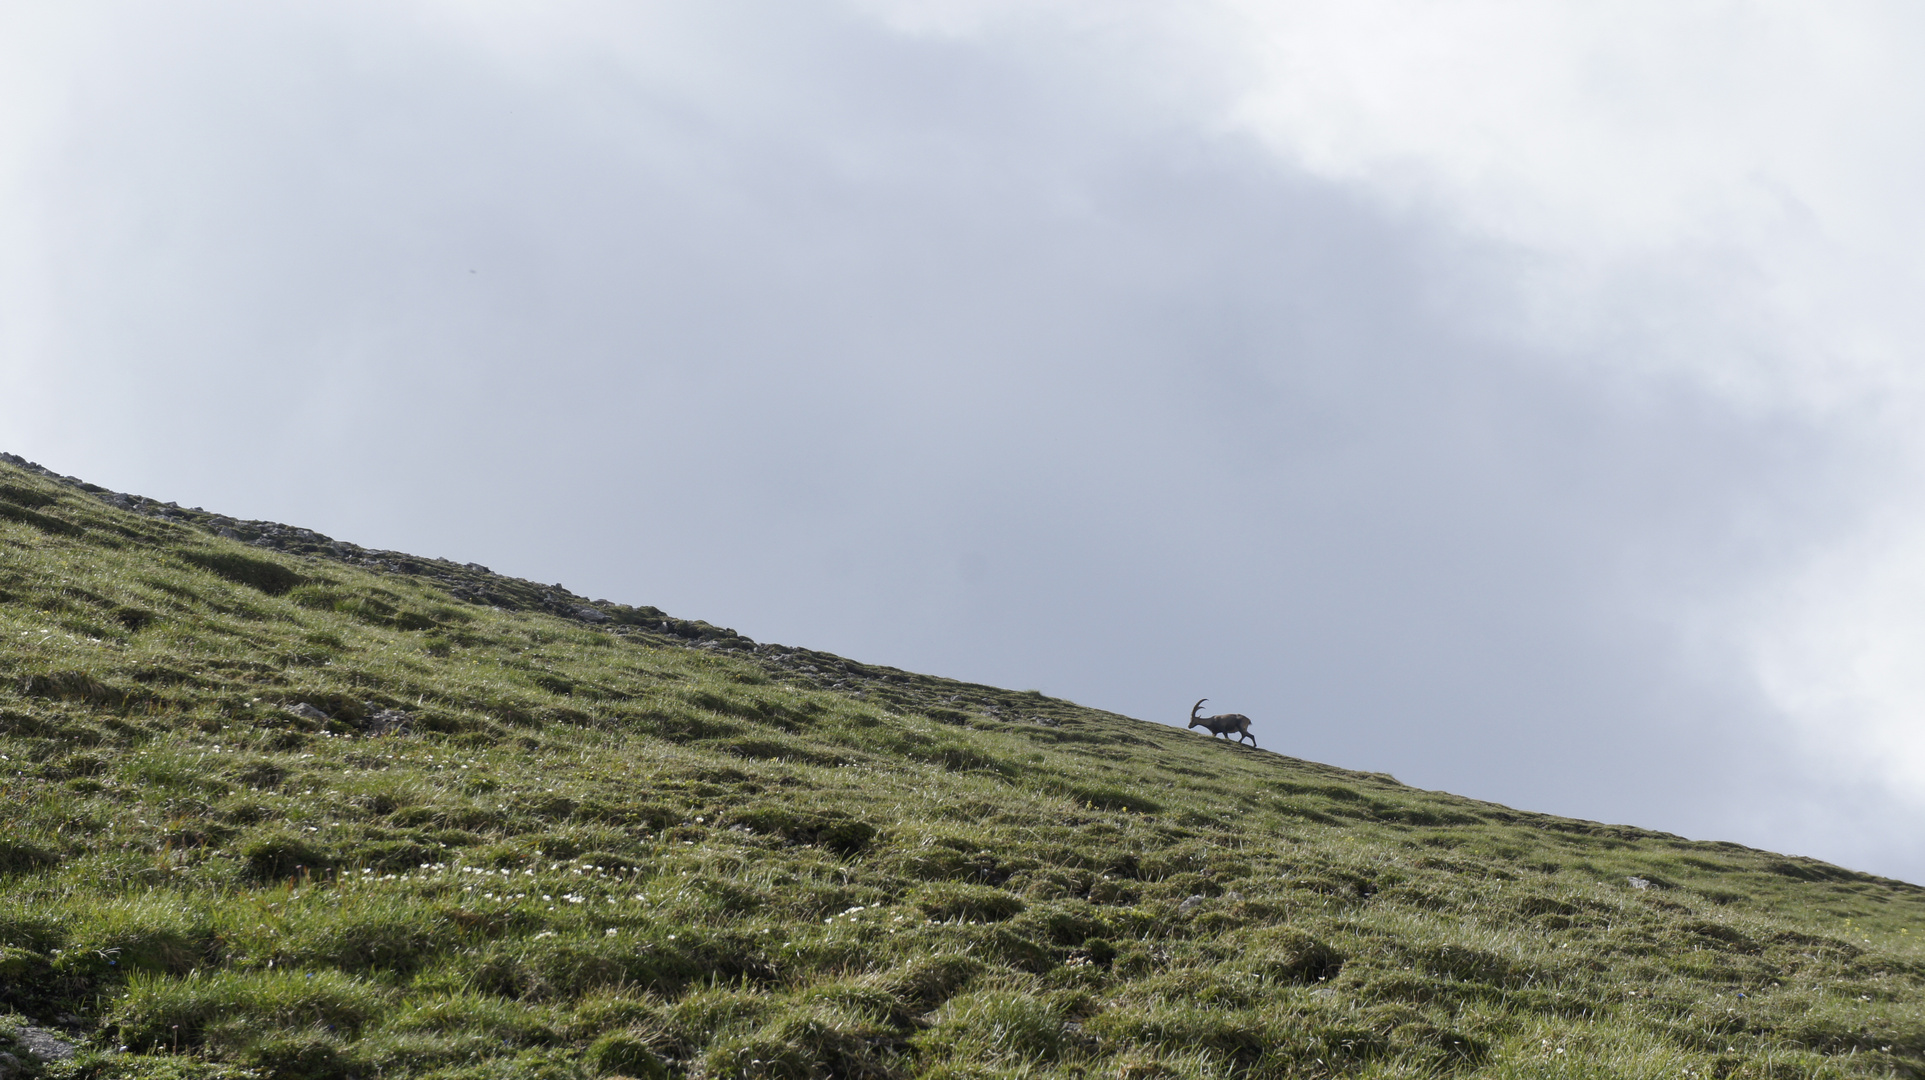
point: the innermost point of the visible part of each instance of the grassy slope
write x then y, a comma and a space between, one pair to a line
638, 844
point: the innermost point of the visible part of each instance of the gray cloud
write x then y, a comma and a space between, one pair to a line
926, 352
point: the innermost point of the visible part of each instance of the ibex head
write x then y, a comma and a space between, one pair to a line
1194, 709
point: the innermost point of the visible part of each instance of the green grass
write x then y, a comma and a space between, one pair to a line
610, 842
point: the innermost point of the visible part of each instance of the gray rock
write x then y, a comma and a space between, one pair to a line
1638, 883
1190, 904
385, 721
589, 614
308, 712
44, 1044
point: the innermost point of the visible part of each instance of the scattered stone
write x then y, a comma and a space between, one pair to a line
40, 1043
385, 721
1190, 904
1638, 882
589, 614
308, 712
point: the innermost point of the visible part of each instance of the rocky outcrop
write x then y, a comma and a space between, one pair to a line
37, 1046
944, 700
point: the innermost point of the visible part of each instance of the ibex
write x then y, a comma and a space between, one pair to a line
1224, 724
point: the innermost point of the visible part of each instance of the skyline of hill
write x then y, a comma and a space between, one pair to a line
277, 802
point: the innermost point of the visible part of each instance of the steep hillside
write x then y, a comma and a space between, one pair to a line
277, 805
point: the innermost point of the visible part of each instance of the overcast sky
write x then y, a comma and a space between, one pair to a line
1519, 398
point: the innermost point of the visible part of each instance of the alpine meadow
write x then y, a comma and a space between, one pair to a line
277, 805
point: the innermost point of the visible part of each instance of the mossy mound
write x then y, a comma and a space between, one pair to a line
280, 806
